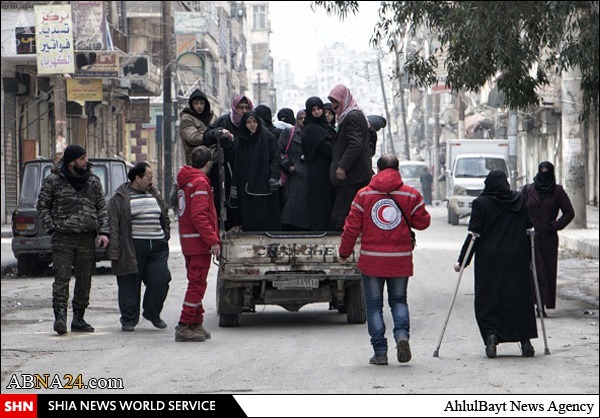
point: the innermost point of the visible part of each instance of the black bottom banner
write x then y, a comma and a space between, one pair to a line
152, 405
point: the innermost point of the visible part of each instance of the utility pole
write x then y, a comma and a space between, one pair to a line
60, 113
436, 146
258, 92
167, 36
513, 121
573, 145
387, 112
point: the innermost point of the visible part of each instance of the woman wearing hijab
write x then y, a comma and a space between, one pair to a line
504, 302
330, 115
544, 199
256, 176
227, 129
317, 137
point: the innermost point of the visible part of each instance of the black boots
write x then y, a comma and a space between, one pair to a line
78, 324
527, 349
60, 320
490, 346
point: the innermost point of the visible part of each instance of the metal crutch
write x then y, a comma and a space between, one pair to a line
531, 233
474, 236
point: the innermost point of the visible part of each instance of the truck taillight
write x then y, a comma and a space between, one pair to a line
24, 223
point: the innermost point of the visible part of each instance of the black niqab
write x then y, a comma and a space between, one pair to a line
545, 183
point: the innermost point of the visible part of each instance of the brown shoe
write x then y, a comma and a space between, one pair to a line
403, 351
184, 333
199, 328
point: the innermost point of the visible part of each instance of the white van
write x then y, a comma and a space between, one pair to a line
411, 173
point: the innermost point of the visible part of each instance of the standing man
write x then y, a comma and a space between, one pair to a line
383, 214
193, 122
426, 181
139, 251
199, 236
72, 209
351, 156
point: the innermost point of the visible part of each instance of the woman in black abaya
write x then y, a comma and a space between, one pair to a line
504, 302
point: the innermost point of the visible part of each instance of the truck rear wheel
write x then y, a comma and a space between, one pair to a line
228, 321
356, 312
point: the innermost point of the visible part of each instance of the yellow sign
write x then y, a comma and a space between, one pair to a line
79, 89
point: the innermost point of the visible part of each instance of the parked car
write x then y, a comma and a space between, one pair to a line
31, 245
411, 173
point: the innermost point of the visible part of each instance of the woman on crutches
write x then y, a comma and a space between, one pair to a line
504, 302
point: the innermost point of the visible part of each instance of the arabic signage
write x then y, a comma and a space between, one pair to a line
84, 90
190, 22
97, 64
25, 40
89, 23
54, 39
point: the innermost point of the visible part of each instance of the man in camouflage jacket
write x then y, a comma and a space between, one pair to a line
72, 209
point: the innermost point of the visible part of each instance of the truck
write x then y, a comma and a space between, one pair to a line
289, 269
468, 163
31, 245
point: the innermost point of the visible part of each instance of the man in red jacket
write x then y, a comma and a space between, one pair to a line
199, 236
384, 213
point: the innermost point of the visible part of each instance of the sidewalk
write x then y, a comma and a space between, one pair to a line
582, 241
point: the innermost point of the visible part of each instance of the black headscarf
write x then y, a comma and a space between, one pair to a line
498, 189
286, 115
545, 182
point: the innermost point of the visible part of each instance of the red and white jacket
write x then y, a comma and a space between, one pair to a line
386, 248
198, 224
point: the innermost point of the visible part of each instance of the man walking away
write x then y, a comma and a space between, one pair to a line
72, 210
383, 214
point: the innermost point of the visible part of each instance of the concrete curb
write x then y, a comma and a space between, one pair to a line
584, 242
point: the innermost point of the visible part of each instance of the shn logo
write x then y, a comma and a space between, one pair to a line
18, 406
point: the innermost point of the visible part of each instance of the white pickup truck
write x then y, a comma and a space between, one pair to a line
289, 269
469, 161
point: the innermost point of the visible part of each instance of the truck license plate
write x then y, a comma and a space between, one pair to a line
303, 283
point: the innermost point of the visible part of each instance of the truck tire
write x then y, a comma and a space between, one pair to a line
452, 217
356, 312
228, 321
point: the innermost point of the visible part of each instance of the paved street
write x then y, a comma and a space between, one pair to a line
314, 350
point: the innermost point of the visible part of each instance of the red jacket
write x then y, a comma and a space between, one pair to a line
198, 225
386, 249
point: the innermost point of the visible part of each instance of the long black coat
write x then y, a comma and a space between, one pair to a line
257, 160
316, 146
544, 215
504, 300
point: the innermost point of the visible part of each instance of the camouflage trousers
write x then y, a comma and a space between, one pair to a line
73, 254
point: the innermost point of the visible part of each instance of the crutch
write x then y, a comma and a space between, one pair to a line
531, 233
474, 236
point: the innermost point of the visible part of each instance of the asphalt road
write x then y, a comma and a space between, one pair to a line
313, 351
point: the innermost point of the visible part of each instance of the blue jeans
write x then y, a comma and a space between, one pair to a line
396, 287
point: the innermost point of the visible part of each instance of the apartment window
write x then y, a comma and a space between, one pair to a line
259, 15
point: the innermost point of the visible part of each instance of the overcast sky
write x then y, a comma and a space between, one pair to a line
298, 32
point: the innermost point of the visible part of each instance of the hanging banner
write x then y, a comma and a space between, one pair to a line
89, 25
84, 90
54, 39
97, 64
